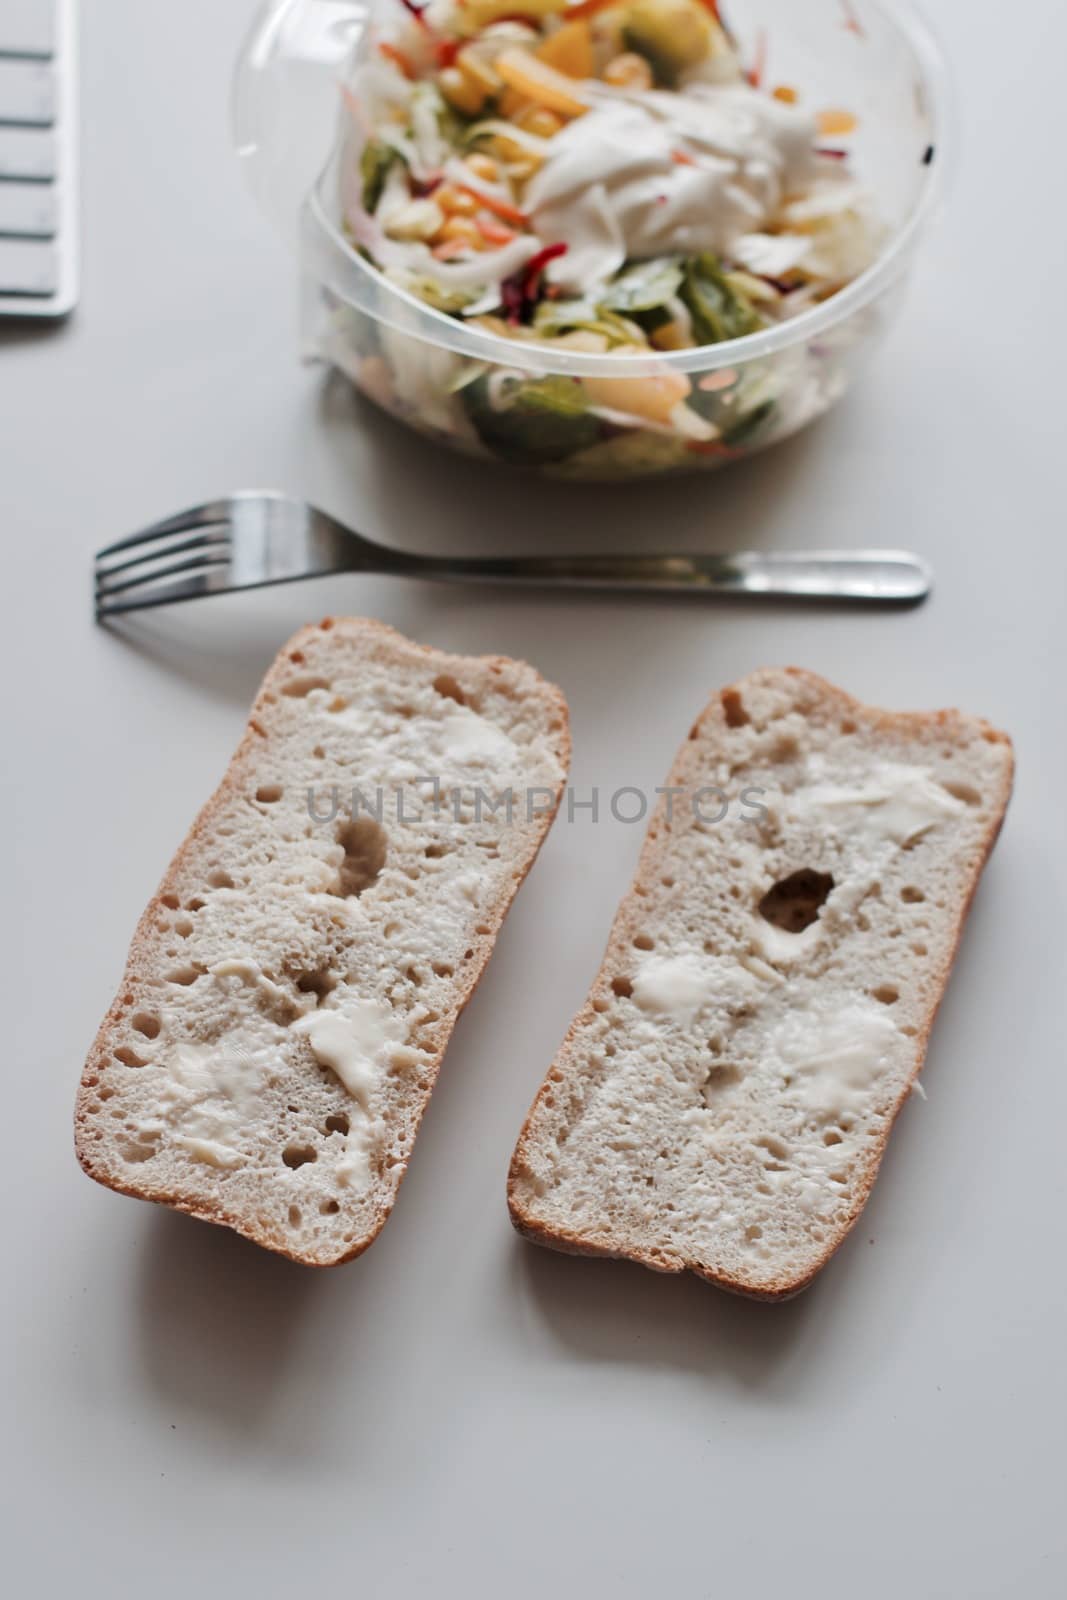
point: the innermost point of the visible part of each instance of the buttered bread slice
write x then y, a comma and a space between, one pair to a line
722, 1102
292, 986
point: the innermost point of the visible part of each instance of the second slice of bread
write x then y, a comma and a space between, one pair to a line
722, 1102
292, 986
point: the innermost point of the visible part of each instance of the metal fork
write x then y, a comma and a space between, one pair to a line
251, 539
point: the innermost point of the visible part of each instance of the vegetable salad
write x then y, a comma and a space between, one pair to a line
607, 177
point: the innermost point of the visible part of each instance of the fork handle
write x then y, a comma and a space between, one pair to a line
882, 576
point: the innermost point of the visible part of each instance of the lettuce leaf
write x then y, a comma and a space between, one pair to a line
645, 286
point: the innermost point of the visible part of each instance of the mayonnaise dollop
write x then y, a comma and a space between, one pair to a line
665, 172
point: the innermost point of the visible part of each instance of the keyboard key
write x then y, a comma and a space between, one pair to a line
27, 153
27, 92
29, 209
28, 268
27, 27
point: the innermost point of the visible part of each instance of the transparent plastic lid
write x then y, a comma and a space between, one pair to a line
875, 56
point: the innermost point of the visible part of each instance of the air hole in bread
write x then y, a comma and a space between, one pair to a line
794, 903
447, 686
777, 1149
911, 896
183, 927
919, 949
319, 753
220, 879
269, 793
320, 983
147, 1024
622, 987
295, 1218
299, 688
832, 1137
434, 852
329, 1208
134, 1152
723, 1076
298, 1155
195, 904
965, 792
442, 969
185, 975
364, 843
733, 708
129, 1057
753, 1232
886, 994
171, 901
643, 942
337, 1122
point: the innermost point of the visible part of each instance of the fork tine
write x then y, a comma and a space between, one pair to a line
105, 590
211, 514
202, 541
167, 594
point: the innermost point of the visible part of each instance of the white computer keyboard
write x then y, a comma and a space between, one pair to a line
38, 147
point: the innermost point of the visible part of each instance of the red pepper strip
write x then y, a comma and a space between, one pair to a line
588, 8
531, 275
520, 293
831, 155
446, 51
759, 66
416, 12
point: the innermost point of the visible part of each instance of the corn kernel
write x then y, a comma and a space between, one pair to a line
787, 95
484, 167
464, 229
523, 167
540, 121
417, 219
453, 202
478, 72
669, 337
460, 92
506, 149
836, 122
628, 71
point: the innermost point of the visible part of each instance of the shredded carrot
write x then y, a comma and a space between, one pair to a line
451, 247
787, 95
398, 58
502, 208
494, 232
836, 122
680, 159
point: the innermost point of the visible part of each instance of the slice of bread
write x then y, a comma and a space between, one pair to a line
722, 1102
292, 986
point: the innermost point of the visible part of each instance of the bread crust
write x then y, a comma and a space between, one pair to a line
138, 970
626, 923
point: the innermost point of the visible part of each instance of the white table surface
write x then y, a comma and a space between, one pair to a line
459, 1413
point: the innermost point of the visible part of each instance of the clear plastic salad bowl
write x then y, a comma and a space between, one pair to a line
872, 56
